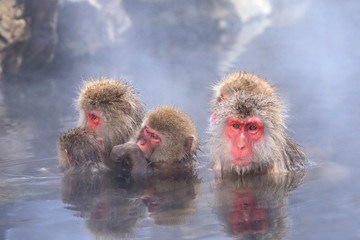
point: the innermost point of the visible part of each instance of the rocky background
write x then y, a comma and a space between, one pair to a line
28, 34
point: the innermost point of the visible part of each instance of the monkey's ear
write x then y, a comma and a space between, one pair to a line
188, 143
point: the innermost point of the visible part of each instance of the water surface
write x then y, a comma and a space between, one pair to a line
173, 52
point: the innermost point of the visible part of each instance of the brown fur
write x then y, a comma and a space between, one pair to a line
175, 127
249, 95
82, 147
122, 110
241, 81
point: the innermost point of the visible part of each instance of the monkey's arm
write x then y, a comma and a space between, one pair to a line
128, 159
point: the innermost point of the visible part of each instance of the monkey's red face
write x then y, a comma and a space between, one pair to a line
148, 141
243, 134
94, 119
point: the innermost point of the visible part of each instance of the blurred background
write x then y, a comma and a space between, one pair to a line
173, 52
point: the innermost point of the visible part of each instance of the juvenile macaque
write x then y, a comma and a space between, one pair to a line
80, 148
111, 109
168, 135
247, 132
167, 138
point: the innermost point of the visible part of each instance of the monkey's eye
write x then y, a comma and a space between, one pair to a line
154, 136
236, 126
93, 116
252, 128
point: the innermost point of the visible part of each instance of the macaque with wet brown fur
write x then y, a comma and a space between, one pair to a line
167, 138
247, 132
81, 149
111, 109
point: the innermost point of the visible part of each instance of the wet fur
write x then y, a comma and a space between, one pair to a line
83, 147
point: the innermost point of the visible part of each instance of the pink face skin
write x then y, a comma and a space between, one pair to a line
243, 133
94, 119
148, 141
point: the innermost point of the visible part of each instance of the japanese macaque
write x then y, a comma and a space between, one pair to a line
168, 135
111, 109
167, 138
80, 148
247, 132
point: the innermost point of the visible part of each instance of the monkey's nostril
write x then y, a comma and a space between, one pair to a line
242, 148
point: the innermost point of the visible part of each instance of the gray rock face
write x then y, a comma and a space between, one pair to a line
27, 33
14, 30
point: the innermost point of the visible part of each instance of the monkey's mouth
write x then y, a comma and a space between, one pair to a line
241, 162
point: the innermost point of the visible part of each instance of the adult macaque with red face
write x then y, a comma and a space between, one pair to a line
247, 132
111, 109
167, 139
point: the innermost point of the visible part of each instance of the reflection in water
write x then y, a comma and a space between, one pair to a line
16, 132
111, 205
255, 207
172, 201
114, 206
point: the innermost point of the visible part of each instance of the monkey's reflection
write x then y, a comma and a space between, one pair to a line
114, 206
110, 204
254, 207
247, 215
170, 201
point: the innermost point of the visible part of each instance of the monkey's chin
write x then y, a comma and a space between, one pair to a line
241, 162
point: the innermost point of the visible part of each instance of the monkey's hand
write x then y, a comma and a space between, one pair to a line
128, 159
